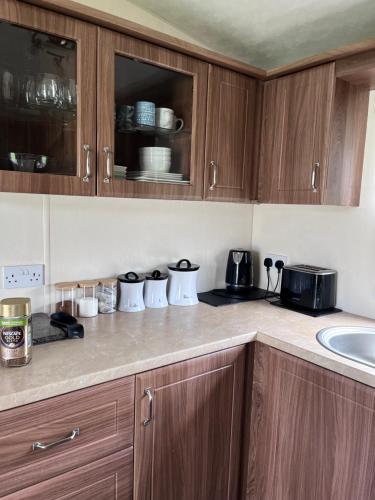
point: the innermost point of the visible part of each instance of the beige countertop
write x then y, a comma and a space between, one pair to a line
122, 344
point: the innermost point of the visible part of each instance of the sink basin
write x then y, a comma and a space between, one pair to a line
353, 342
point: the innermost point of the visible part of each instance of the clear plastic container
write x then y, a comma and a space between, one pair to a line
107, 295
66, 298
88, 301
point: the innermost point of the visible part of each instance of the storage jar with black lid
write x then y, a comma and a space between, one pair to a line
156, 290
131, 292
183, 283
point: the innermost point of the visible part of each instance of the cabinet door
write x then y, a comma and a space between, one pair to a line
151, 120
47, 101
108, 479
187, 443
230, 167
312, 432
295, 136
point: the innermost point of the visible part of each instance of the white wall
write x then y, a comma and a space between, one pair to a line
78, 238
337, 237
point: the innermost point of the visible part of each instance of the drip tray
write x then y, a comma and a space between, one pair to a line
222, 297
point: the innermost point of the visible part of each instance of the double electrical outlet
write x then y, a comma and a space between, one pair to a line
23, 276
275, 258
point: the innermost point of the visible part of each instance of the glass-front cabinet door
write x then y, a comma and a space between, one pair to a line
151, 120
47, 102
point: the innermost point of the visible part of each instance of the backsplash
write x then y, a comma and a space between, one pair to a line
78, 237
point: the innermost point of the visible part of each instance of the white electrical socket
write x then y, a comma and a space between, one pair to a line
275, 257
23, 276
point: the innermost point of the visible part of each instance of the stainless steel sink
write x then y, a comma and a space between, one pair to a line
353, 342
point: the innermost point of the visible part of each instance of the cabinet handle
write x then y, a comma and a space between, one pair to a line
147, 421
213, 166
108, 177
315, 169
40, 446
87, 151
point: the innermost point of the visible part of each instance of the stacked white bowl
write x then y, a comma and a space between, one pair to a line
155, 159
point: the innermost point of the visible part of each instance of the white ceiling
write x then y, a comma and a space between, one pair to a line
269, 33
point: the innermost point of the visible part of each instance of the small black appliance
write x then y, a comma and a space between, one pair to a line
309, 287
239, 275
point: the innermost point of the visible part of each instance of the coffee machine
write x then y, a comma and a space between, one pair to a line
238, 280
239, 274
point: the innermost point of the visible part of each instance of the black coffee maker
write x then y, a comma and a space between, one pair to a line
239, 275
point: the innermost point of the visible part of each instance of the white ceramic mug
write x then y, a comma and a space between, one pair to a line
183, 283
131, 292
156, 290
165, 118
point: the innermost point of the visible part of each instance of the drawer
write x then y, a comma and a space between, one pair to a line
100, 421
110, 478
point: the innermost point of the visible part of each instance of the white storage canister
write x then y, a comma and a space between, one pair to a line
183, 283
131, 292
156, 290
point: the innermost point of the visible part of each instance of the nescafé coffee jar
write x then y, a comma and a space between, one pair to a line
15, 332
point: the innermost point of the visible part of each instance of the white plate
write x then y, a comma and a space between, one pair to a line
151, 173
159, 181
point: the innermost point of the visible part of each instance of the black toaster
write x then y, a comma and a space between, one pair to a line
308, 286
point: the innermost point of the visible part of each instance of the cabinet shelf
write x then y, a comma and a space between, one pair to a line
151, 130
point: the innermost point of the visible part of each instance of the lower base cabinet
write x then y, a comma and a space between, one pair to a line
108, 479
188, 420
312, 432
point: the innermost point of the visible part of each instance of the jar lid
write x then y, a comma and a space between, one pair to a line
131, 277
20, 306
156, 275
83, 284
66, 285
183, 265
108, 282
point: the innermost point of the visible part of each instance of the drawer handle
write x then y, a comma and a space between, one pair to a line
147, 421
40, 446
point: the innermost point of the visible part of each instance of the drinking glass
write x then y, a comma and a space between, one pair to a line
48, 90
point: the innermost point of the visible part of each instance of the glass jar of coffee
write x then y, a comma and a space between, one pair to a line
66, 300
15, 332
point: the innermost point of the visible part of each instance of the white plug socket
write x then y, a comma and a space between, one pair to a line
276, 257
23, 276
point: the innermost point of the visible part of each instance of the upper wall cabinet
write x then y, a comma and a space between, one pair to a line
230, 168
151, 120
312, 139
47, 102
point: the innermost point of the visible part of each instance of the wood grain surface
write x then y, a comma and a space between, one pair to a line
347, 145
296, 123
230, 135
110, 478
104, 414
312, 432
85, 36
111, 44
191, 449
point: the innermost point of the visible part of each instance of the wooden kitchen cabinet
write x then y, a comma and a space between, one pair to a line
231, 169
108, 479
312, 139
47, 101
132, 70
99, 421
187, 441
312, 432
